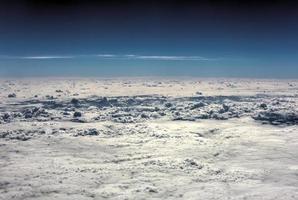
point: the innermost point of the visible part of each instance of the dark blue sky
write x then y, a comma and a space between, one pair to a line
115, 38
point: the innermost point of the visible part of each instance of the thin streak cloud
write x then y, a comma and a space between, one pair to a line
198, 58
106, 55
113, 56
48, 57
35, 57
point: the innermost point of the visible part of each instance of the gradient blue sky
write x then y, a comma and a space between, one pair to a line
136, 38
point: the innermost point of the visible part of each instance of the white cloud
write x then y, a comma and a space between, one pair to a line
105, 55
198, 58
35, 57
46, 57
113, 56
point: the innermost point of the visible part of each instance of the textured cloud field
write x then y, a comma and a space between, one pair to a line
148, 139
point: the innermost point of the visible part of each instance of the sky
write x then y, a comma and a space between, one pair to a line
209, 38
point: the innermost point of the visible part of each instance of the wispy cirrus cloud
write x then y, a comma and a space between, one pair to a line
47, 57
35, 57
112, 56
154, 57
105, 55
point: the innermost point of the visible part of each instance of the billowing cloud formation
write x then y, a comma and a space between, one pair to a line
114, 56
